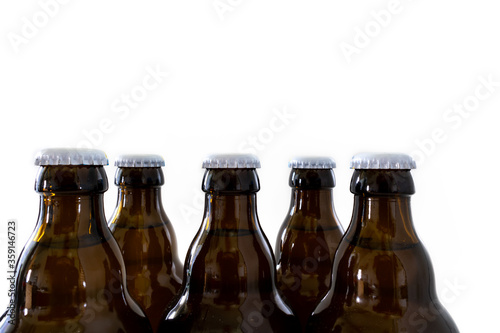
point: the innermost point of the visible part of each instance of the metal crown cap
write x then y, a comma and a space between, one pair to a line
139, 161
312, 162
382, 161
231, 161
71, 156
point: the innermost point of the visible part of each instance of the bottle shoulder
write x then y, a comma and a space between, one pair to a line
426, 318
379, 263
380, 285
228, 269
253, 312
78, 281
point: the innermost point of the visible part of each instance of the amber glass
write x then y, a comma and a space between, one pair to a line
147, 240
383, 279
307, 241
229, 277
70, 276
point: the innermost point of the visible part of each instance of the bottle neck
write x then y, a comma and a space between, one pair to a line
71, 204
230, 199
382, 222
142, 205
71, 216
382, 214
316, 203
231, 212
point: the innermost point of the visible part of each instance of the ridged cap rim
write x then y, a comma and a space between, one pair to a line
139, 161
71, 156
394, 161
312, 162
231, 161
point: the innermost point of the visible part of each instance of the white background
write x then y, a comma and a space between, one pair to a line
231, 70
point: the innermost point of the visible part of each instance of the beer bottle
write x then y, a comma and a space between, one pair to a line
382, 275
309, 236
70, 276
229, 280
145, 234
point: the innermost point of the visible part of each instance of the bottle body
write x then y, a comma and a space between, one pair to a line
229, 279
383, 279
70, 275
147, 241
307, 241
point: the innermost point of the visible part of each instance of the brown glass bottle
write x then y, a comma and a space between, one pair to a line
145, 234
229, 277
383, 279
308, 237
70, 276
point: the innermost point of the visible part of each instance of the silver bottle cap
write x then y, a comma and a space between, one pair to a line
71, 156
139, 161
312, 162
231, 161
382, 161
